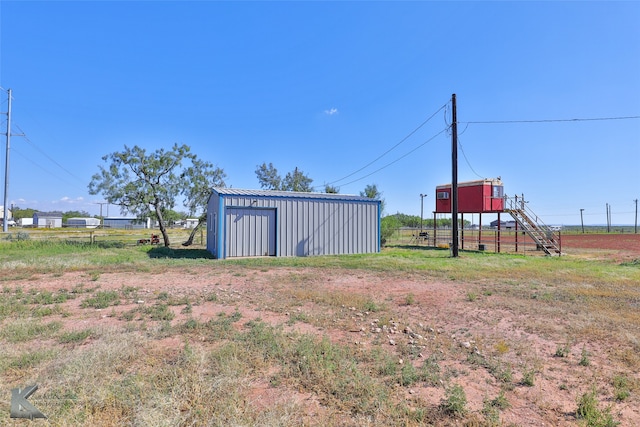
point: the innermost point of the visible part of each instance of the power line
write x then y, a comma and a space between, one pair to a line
467, 160
399, 158
551, 120
42, 168
390, 149
45, 154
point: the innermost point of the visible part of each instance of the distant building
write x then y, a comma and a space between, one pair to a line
504, 225
47, 219
25, 222
191, 222
83, 222
126, 223
9, 216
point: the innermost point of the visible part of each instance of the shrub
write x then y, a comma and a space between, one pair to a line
455, 401
621, 388
584, 358
528, 377
563, 351
594, 417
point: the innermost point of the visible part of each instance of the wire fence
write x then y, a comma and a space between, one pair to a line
96, 235
505, 240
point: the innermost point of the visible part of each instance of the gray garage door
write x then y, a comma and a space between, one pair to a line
250, 232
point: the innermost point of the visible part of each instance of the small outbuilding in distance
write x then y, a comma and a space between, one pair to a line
47, 219
83, 222
252, 223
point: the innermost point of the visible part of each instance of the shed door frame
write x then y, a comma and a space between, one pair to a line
250, 231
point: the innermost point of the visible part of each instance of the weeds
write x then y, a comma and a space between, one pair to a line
621, 388
409, 299
491, 408
219, 367
501, 347
75, 336
584, 358
594, 417
159, 312
529, 377
102, 299
563, 351
27, 330
455, 401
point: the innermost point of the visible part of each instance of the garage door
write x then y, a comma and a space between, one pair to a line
250, 232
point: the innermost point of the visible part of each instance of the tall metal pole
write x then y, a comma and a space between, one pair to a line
454, 177
635, 227
422, 196
6, 167
581, 221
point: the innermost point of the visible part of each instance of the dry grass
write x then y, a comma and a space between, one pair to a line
332, 341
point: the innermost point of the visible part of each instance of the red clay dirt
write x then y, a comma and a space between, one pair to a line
441, 312
619, 246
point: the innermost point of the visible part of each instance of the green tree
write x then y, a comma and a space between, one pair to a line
270, 179
388, 225
202, 176
297, 181
18, 213
148, 183
169, 215
74, 214
330, 189
371, 191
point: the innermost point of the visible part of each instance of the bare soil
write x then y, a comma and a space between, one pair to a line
612, 246
458, 322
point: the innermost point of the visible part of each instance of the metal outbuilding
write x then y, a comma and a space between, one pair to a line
250, 223
47, 219
83, 222
132, 223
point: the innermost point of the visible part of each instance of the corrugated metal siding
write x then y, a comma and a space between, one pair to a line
212, 225
250, 232
304, 225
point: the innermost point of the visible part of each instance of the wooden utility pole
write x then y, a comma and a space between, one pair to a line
581, 220
5, 219
454, 178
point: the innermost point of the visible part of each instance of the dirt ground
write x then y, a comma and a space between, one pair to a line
441, 318
614, 246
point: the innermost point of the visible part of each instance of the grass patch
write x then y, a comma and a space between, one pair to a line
28, 329
101, 299
75, 336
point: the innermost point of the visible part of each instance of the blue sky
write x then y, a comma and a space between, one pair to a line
328, 87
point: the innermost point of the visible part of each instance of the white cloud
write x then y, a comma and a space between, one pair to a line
69, 200
331, 112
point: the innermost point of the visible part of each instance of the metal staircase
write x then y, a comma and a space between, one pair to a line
546, 239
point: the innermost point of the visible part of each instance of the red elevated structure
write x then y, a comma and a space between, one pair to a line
487, 196
481, 196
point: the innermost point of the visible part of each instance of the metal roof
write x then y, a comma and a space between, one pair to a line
291, 194
491, 181
49, 214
